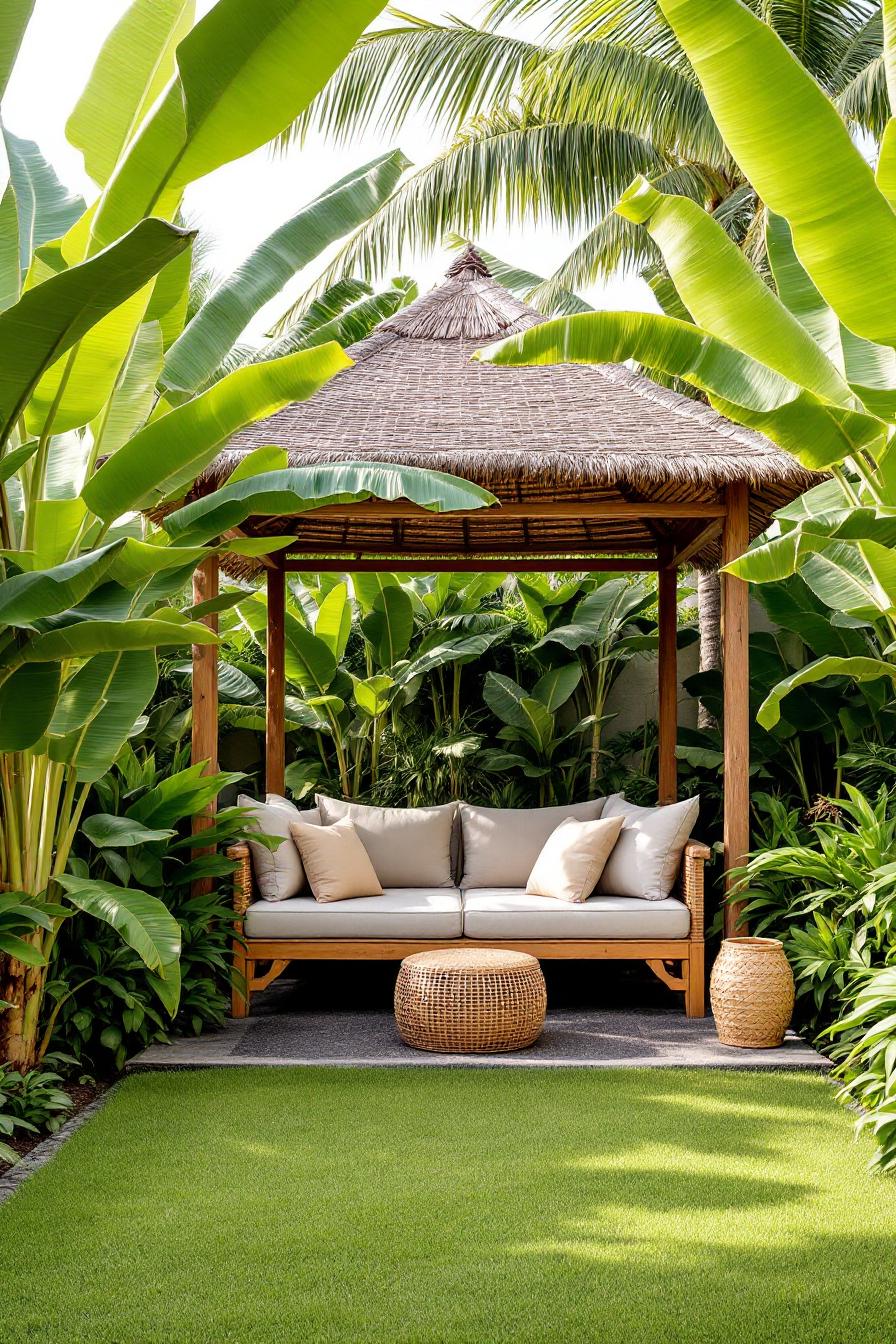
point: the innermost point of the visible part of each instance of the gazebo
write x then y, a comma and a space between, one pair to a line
596, 468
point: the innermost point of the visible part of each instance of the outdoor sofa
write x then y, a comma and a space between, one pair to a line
458, 874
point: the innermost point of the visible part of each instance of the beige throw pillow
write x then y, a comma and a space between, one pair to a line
501, 844
278, 872
647, 856
336, 863
408, 846
573, 859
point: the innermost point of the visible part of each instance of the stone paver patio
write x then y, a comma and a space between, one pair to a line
572, 1038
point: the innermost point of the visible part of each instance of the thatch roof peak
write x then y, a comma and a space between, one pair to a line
469, 260
538, 437
469, 305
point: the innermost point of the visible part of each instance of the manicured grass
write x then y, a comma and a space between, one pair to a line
458, 1206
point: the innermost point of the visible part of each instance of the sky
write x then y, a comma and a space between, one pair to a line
240, 204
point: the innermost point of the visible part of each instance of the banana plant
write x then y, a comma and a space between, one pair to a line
605, 633
536, 744
809, 360
89, 591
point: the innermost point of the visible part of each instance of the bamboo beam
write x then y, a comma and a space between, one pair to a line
204, 733
275, 685
736, 690
466, 564
667, 674
530, 511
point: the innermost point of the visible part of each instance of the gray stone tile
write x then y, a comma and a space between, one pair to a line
572, 1038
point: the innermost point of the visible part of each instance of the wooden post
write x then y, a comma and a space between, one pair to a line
736, 690
275, 728
204, 739
667, 671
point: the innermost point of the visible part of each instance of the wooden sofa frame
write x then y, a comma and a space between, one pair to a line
273, 955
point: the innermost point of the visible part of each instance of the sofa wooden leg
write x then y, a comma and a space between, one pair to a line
695, 989
240, 991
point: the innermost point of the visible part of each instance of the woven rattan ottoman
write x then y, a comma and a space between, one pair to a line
470, 1000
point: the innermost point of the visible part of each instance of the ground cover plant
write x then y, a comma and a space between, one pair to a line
408, 1204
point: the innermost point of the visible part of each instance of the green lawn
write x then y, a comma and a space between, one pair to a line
455, 1205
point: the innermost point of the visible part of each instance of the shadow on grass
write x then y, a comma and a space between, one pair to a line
455, 1206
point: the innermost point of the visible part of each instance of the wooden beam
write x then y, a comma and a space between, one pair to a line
703, 538
275, 688
204, 735
736, 690
568, 949
667, 673
531, 512
466, 564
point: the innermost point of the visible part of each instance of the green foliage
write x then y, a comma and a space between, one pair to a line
30, 1103
828, 890
104, 1000
553, 127
389, 675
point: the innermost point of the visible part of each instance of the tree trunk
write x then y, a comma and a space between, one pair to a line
709, 611
20, 986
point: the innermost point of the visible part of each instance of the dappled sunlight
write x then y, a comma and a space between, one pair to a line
743, 1111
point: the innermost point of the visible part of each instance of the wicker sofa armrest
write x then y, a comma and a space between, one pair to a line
692, 865
242, 877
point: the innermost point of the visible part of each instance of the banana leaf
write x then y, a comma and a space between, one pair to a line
208, 338
166, 455
817, 433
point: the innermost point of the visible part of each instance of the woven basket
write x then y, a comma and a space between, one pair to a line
751, 992
470, 1001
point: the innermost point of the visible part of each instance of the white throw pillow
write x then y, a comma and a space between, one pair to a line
278, 872
573, 859
408, 846
647, 856
336, 863
501, 844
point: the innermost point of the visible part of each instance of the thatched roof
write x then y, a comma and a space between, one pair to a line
531, 435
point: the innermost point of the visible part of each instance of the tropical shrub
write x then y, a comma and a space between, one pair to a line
869, 1058
30, 1103
101, 1002
827, 889
438, 686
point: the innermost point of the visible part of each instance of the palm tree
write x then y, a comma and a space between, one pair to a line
555, 129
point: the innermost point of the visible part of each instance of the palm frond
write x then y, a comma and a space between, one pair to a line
618, 86
324, 308
616, 244
818, 32
446, 72
735, 211
504, 166
858, 85
353, 324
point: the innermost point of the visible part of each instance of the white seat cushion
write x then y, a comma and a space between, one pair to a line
406, 912
505, 912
